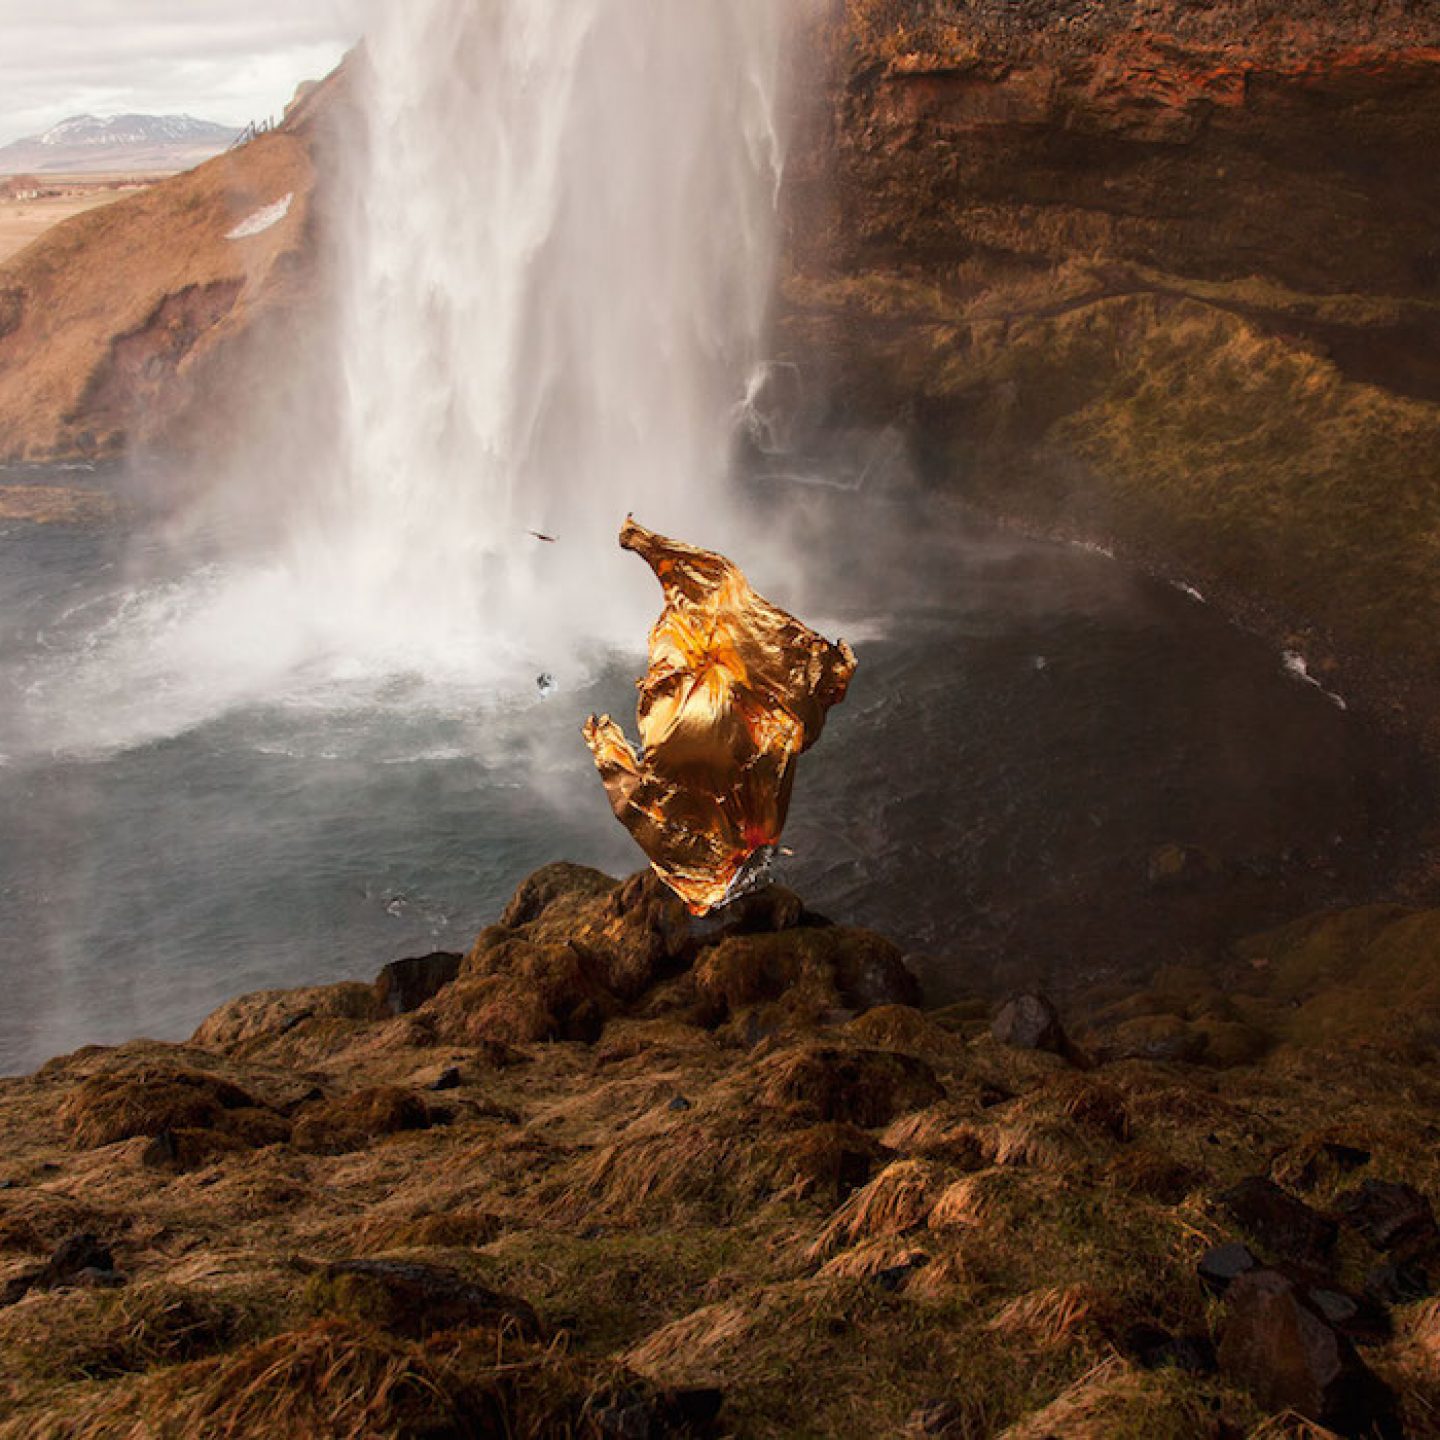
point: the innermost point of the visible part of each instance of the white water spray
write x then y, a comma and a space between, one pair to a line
558, 254
562, 260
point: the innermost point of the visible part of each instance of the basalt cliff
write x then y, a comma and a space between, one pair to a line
1158, 276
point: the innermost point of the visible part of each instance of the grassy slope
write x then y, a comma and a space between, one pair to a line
1035, 1213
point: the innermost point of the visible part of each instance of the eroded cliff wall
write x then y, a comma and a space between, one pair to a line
1159, 275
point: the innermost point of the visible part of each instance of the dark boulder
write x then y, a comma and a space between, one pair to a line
415, 1300
1219, 1267
1282, 1225
1029, 1021
1390, 1216
405, 985
1291, 1358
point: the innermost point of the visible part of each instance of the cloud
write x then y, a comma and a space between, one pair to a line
218, 59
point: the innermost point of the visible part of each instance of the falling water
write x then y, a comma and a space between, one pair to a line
556, 254
560, 265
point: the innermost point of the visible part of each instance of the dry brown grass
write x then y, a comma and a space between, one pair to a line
90, 1335
1043, 1144
452, 1229
733, 1238
22, 221
945, 1132
896, 1201
867, 1088
109, 1107
966, 1203
350, 1122
1044, 1317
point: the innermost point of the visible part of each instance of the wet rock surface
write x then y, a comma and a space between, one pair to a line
405, 985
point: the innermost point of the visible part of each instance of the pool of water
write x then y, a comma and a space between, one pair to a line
1029, 724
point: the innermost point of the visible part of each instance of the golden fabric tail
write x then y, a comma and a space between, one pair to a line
736, 691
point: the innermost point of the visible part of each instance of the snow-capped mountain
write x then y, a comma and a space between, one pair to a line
117, 142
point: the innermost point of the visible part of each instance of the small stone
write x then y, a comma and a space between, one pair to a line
1224, 1264
1030, 1022
679, 1102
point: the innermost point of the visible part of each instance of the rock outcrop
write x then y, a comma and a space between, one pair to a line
1159, 276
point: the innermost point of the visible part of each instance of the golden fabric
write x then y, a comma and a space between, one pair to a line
736, 690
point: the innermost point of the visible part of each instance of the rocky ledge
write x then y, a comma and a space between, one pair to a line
618, 1172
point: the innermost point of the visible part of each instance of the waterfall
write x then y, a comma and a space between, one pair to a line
555, 252
559, 259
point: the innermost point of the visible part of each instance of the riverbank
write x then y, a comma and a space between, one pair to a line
617, 1172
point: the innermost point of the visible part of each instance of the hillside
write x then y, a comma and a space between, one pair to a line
153, 318
616, 1172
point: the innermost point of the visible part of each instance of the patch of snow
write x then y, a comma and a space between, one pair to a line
262, 219
1297, 668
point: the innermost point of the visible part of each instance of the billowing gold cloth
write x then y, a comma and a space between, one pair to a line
736, 689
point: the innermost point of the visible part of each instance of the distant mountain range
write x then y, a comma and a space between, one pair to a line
90, 143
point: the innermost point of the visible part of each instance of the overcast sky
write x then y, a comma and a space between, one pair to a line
226, 60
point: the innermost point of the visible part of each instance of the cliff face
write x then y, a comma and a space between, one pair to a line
141, 324
1163, 276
